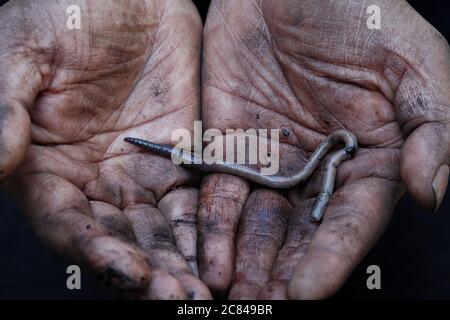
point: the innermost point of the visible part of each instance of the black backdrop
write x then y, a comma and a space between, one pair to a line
414, 253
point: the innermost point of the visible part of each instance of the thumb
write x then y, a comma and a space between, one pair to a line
423, 108
425, 163
14, 135
19, 85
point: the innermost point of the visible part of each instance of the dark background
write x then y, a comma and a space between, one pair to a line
414, 253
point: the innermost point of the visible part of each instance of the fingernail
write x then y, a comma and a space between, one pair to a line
440, 182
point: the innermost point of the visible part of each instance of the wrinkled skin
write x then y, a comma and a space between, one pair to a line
310, 67
67, 100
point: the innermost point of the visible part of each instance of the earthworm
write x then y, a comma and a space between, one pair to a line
277, 182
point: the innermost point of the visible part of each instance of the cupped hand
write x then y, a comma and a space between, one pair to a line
68, 97
308, 68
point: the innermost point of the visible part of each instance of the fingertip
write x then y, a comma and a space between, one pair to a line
164, 286
417, 181
195, 289
423, 166
216, 264
317, 277
300, 288
116, 262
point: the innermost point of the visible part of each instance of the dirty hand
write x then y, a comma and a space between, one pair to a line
68, 97
310, 67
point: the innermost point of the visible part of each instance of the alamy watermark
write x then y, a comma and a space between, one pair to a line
73, 21
251, 147
374, 280
374, 20
73, 281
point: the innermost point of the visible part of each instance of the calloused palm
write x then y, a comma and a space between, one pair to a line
68, 98
310, 67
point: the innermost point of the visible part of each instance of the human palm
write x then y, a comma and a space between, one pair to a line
309, 68
68, 99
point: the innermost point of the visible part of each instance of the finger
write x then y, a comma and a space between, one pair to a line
355, 219
180, 209
423, 103
61, 216
154, 237
163, 286
220, 204
23, 72
19, 87
261, 234
14, 135
425, 164
112, 219
301, 230
299, 234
